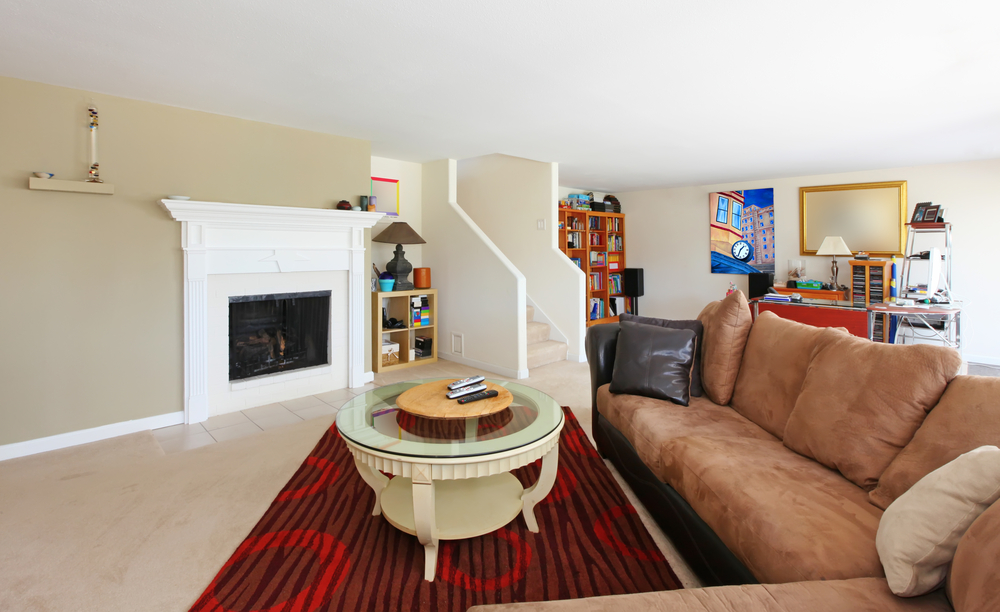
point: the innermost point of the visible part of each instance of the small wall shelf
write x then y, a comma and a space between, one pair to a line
75, 186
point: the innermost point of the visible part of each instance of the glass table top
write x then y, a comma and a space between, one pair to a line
372, 420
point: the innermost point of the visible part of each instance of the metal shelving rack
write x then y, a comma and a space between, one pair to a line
913, 230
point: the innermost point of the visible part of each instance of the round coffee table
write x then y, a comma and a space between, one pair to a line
452, 478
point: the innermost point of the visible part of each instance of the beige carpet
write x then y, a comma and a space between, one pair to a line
118, 525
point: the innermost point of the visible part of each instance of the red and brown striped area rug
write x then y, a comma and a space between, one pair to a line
318, 548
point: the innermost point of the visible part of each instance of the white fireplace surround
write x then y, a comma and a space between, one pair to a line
219, 238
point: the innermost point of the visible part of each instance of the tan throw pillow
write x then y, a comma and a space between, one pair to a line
919, 532
774, 366
727, 324
967, 417
862, 401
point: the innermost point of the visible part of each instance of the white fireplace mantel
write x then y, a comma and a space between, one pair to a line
220, 238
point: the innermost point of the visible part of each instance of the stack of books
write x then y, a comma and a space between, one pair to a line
422, 346
420, 311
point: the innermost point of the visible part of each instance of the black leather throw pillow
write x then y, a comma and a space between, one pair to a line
694, 326
654, 361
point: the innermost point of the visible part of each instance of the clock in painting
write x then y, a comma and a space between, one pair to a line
742, 251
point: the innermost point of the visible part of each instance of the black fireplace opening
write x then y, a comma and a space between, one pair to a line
278, 333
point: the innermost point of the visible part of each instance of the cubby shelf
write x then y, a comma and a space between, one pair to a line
397, 305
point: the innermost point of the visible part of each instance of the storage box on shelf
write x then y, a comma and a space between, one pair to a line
415, 344
595, 241
870, 282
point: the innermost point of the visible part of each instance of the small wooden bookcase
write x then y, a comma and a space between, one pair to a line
870, 284
397, 306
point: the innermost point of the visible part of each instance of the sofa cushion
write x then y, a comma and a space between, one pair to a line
857, 595
727, 323
654, 362
693, 325
647, 423
919, 532
972, 581
967, 417
774, 366
862, 401
786, 517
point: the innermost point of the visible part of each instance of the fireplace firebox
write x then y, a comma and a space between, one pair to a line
278, 333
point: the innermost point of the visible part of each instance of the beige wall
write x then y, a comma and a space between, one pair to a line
667, 235
91, 284
506, 196
410, 177
481, 294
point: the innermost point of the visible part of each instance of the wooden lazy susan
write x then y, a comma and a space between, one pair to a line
429, 401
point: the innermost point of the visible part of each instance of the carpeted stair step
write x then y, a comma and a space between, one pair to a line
541, 353
530, 310
537, 332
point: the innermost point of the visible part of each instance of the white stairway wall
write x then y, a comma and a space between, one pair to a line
507, 196
481, 294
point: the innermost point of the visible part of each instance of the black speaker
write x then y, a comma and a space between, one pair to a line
632, 285
759, 283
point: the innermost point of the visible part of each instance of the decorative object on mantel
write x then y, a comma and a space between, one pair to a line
343, 205
400, 233
44, 175
834, 245
95, 168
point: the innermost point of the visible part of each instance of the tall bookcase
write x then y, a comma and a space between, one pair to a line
596, 242
870, 285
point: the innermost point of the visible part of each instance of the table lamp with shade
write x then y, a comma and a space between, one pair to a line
399, 233
834, 245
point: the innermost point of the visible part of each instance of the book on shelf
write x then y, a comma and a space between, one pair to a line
596, 281
574, 240
614, 282
597, 258
596, 309
576, 260
617, 305
614, 261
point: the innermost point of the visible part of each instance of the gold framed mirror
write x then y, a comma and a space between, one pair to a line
868, 216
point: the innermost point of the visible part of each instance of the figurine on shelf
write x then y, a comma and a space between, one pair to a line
95, 168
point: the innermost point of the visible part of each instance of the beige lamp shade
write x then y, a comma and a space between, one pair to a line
833, 245
401, 233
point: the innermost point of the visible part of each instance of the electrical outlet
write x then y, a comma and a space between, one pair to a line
457, 343
541, 224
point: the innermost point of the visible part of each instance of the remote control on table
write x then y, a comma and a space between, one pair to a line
466, 391
475, 397
465, 382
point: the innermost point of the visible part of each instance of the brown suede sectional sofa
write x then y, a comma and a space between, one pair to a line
780, 473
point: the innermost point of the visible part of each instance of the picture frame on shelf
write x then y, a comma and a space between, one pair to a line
918, 212
931, 214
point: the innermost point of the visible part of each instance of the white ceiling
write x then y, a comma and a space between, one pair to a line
624, 95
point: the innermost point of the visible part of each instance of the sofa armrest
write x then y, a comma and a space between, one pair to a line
600, 346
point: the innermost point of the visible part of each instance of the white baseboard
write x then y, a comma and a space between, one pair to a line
368, 377
482, 365
85, 436
982, 359
576, 358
